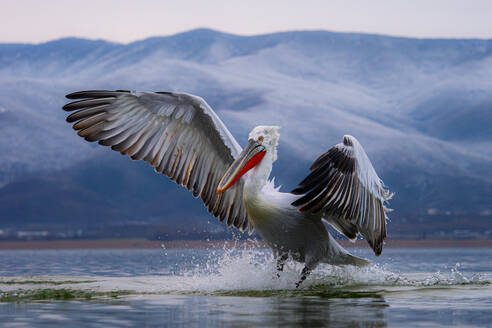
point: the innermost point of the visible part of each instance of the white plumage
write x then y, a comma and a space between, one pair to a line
183, 138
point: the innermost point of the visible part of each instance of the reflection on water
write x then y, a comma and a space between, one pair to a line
219, 311
239, 288
200, 311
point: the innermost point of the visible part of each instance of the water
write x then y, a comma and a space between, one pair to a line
238, 288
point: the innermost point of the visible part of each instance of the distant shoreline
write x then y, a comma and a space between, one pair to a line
154, 244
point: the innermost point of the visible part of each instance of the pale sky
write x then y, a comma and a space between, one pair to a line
124, 21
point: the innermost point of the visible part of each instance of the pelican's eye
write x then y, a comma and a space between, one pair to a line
260, 139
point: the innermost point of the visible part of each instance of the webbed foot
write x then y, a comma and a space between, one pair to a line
280, 263
304, 274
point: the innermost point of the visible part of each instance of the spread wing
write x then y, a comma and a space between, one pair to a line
176, 133
344, 188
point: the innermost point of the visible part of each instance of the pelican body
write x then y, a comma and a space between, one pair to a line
183, 138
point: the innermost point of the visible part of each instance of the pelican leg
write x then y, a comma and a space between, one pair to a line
305, 272
280, 263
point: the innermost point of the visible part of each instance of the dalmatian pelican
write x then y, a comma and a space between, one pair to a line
183, 138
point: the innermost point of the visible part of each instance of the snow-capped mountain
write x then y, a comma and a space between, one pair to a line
421, 108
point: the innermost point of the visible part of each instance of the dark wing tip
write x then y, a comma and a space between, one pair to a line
68, 107
378, 249
377, 246
87, 103
297, 202
82, 94
298, 191
94, 94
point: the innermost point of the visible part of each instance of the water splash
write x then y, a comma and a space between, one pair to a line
455, 277
253, 269
234, 270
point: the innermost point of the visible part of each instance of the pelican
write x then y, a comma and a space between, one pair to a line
183, 138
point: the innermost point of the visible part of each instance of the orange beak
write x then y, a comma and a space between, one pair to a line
251, 155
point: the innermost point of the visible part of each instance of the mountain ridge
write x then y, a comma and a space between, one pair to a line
420, 107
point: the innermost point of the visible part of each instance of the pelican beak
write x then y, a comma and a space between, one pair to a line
251, 155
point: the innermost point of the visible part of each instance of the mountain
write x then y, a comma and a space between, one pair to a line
422, 109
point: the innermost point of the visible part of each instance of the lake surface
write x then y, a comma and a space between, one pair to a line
435, 287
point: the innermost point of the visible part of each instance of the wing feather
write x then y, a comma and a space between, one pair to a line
176, 133
345, 189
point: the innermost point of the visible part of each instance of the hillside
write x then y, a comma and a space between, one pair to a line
421, 108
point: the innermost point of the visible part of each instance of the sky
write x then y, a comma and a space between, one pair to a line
34, 21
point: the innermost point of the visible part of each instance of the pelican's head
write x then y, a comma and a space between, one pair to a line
262, 141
